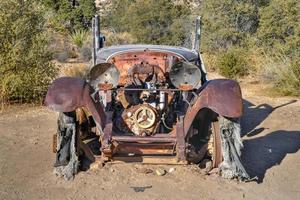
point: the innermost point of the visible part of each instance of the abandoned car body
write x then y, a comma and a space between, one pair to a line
150, 104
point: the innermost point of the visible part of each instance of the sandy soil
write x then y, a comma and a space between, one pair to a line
271, 134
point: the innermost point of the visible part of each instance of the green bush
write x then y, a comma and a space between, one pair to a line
25, 62
232, 63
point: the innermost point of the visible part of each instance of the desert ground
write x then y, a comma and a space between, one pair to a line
271, 135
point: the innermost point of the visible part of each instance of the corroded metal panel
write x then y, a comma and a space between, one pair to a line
66, 94
223, 96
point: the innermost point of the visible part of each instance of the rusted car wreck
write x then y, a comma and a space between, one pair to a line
150, 104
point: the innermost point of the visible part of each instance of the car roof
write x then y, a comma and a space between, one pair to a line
107, 52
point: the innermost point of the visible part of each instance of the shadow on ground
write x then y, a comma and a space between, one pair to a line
255, 115
262, 153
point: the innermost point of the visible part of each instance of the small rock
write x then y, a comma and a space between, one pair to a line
145, 170
160, 172
172, 169
111, 170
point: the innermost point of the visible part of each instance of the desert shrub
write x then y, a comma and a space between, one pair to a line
288, 79
210, 61
283, 73
72, 53
85, 54
25, 62
78, 70
78, 37
65, 55
278, 36
61, 56
232, 63
113, 38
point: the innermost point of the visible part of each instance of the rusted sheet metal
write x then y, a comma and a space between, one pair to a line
105, 86
181, 148
66, 94
143, 70
125, 61
223, 96
146, 68
185, 87
106, 146
217, 154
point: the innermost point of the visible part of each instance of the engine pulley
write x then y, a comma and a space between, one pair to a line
140, 119
144, 117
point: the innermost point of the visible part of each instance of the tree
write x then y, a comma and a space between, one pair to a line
73, 14
150, 21
228, 22
25, 63
279, 35
279, 28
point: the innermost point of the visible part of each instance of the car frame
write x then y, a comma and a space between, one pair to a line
207, 110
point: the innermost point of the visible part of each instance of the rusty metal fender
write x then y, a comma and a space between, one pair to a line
222, 96
66, 94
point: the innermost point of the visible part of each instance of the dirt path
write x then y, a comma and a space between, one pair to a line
271, 133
